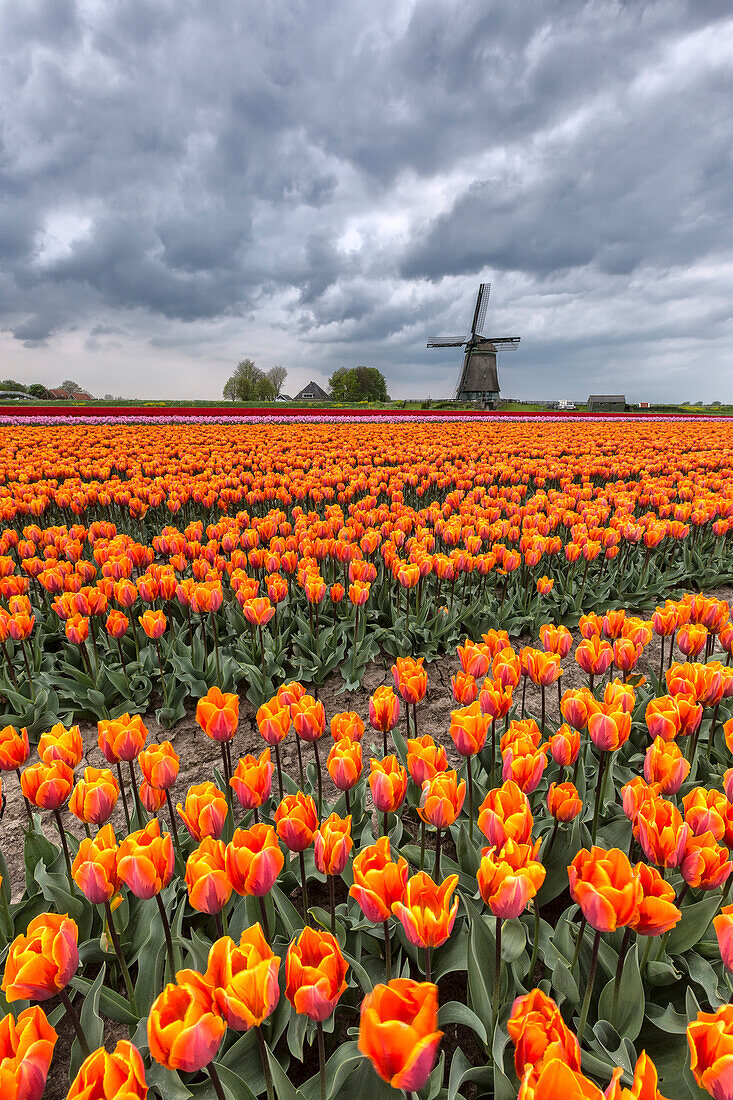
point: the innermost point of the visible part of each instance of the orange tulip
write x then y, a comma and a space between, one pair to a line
464, 688
309, 718
468, 728
14, 748
644, 1085
245, 979
661, 832
565, 746
204, 812
273, 721
710, 1038
609, 728
474, 658
254, 860
185, 1026
252, 780
145, 860
151, 797
705, 864
117, 624
153, 623
379, 882
121, 738
705, 811
524, 766
509, 877
42, 961
539, 1033
594, 655
315, 970
333, 844
603, 884
505, 815
398, 1032
94, 869
159, 764
662, 717
218, 714
61, 744
543, 668
563, 801
258, 611
425, 911
347, 725
442, 799
94, 797
657, 912
411, 679
384, 709
344, 764
665, 766
207, 882
575, 706
553, 1078
296, 821
556, 639
26, 1049
723, 925
47, 786
116, 1076
388, 784
425, 759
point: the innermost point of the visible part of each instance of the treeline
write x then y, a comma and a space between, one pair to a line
358, 384
250, 383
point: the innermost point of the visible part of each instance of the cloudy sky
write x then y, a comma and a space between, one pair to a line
321, 183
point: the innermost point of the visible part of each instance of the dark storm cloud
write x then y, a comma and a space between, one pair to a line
337, 177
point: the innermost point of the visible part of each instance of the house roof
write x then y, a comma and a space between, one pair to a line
59, 393
615, 397
313, 390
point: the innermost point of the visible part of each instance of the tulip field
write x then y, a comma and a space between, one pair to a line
366, 759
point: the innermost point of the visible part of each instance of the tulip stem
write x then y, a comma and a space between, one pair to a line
300, 762
168, 940
216, 1082
304, 884
120, 957
645, 956
589, 986
265, 921
600, 791
321, 1058
320, 778
497, 975
124, 797
28, 670
279, 770
387, 951
71, 1013
578, 942
26, 803
438, 846
160, 666
265, 1064
135, 795
174, 827
428, 967
493, 753
469, 771
422, 845
535, 943
64, 845
332, 901
619, 972
546, 854
216, 648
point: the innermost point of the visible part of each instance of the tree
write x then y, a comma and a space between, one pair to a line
39, 391
349, 384
242, 385
277, 376
11, 384
71, 387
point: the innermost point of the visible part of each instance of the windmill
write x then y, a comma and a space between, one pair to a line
478, 380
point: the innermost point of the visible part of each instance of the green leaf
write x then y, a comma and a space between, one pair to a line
453, 1012
91, 1023
695, 920
461, 1072
283, 1088
290, 916
234, 1087
112, 1004
631, 1000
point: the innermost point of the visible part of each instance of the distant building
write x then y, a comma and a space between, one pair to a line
644, 405
607, 402
311, 392
14, 395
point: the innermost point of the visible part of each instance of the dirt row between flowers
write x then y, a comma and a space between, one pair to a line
199, 756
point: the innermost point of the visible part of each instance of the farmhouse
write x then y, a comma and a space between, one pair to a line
311, 392
605, 402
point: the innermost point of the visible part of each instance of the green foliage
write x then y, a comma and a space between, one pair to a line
250, 383
351, 384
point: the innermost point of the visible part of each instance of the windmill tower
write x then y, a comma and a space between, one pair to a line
479, 379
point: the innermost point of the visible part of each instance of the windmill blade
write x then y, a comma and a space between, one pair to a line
446, 342
507, 342
482, 304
